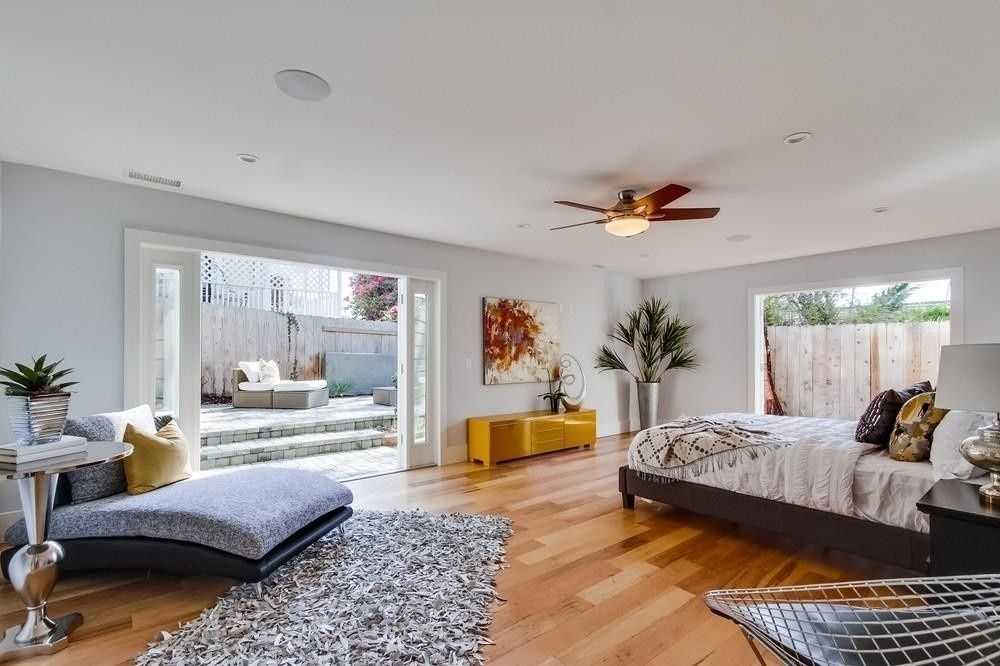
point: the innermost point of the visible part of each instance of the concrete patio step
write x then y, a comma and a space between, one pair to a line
287, 427
289, 446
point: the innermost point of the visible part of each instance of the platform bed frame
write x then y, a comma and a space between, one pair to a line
875, 541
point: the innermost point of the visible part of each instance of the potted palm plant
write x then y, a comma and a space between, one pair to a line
37, 401
659, 342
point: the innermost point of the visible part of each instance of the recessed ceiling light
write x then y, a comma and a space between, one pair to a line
738, 238
645, 256
248, 158
600, 266
880, 209
798, 137
524, 226
303, 85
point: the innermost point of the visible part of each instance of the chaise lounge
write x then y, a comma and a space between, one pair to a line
284, 394
242, 523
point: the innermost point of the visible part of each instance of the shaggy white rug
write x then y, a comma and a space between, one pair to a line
401, 587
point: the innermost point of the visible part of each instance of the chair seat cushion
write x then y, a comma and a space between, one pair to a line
256, 386
246, 512
307, 385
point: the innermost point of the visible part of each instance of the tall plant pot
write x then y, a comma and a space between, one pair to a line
37, 419
649, 403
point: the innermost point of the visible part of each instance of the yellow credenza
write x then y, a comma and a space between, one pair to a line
493, 439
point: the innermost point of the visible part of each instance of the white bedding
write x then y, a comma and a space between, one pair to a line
825, 469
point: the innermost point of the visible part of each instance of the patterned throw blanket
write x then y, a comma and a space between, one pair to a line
691, 446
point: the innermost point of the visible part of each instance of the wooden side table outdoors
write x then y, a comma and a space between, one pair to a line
34, 569
965, 532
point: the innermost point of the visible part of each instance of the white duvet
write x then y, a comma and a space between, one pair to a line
823, 468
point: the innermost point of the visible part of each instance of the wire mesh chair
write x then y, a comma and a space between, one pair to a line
942, 620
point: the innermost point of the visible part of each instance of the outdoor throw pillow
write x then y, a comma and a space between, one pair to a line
269, 372
876, 424
914, 431
251, 369
158, 460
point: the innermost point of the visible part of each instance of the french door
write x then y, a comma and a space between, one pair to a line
419, 430
163, 334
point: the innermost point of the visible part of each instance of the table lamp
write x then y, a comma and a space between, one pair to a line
969, 381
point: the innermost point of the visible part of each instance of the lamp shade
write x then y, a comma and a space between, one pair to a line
969, 378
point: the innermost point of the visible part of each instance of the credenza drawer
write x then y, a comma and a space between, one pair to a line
580, 429
510, 439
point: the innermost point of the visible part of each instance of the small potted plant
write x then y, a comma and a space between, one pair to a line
554, 395
37, 401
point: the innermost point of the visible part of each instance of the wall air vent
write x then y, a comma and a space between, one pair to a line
155, 180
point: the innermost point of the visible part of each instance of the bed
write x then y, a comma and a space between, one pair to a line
821, 487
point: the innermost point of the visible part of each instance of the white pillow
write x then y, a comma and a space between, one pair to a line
269, 372
140, 418
946, 458
251, 369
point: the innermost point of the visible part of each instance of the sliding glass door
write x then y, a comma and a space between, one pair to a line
162, 360
417, 377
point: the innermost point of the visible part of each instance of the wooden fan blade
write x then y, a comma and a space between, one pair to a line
683, 214
603, 220
654, 201
583, 206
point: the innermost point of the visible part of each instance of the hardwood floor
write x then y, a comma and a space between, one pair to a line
589, 582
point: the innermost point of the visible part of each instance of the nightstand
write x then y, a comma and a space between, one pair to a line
965, 532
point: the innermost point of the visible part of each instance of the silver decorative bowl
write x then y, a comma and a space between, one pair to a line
983, 451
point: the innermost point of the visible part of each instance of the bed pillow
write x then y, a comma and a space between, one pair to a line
876, 424
914, 430
946, 456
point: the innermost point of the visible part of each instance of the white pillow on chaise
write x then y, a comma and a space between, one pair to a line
946, 458
251, 369
269, 373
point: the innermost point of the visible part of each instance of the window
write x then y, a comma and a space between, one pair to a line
826, 352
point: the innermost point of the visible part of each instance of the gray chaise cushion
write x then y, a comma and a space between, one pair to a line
93, 483
246, 511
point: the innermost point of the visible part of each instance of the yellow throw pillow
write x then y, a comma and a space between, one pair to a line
914, 431
158, 460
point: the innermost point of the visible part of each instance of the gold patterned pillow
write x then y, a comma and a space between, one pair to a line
914, 431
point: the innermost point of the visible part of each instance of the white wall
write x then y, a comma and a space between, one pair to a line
62, 274
716, 302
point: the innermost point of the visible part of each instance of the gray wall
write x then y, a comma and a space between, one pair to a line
716, 301
62, 273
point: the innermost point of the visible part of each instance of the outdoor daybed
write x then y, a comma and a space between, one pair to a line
240, 523
283, 394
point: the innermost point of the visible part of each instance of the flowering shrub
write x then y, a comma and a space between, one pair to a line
373, 297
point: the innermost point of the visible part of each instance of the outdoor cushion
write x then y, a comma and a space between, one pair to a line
246, 512
306, 385
251, 369
268, 371
256, 386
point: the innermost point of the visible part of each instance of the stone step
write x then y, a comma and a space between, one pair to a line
286, 429
290, 446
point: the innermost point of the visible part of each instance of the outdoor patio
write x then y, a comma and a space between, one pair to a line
344, 439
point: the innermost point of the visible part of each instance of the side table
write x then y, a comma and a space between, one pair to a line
34, 568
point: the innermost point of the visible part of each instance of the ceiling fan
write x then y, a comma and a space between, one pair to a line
631, 216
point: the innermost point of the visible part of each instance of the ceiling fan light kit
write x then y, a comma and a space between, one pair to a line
627, 226
631, 217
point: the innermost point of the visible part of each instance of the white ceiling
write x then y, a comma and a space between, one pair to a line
456, 121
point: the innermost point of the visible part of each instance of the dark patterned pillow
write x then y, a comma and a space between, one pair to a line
93, 483
876, 424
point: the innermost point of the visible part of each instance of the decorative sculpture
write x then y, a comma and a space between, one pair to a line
574, 382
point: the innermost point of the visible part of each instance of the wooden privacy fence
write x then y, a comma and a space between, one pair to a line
230, 335
835, 371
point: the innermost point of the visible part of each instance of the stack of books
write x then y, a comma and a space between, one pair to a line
18, 456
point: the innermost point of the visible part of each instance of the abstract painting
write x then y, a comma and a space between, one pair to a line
520, 340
